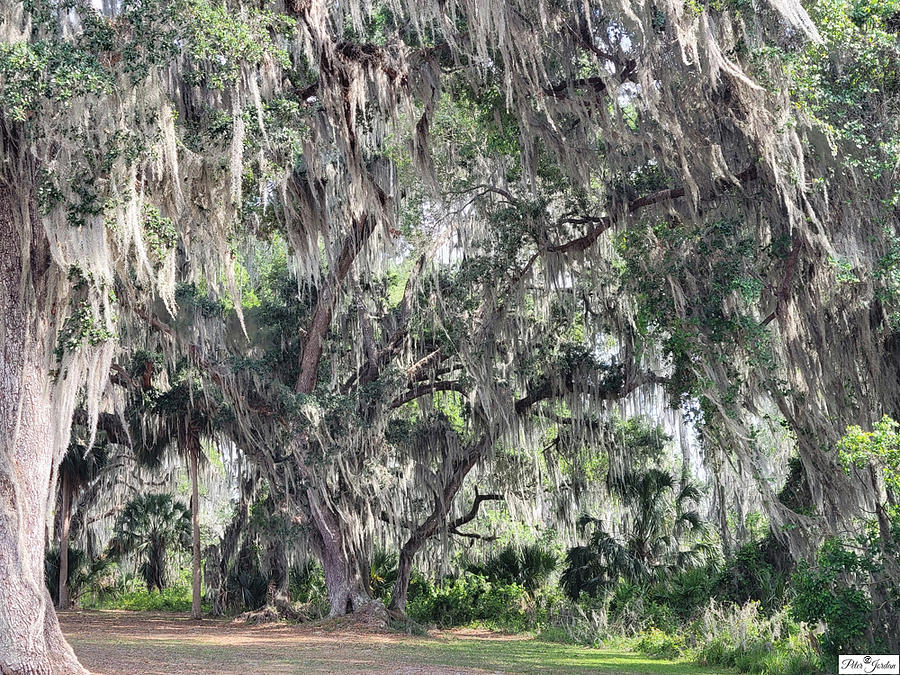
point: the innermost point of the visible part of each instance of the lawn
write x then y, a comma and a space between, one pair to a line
111, 642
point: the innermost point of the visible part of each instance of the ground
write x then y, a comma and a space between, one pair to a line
112, 642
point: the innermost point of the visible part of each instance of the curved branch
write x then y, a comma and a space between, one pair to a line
473, 511
421, 390
602, 224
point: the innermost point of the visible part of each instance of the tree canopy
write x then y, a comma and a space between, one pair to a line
382, 247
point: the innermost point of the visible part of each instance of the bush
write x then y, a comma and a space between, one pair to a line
470, 599
661, 644
170, 599
760, 571
529, 566
830, 591
685, 593
246, 588
307, 583
853, 588
742, 637
635, 608
83, 572
383, 574
581, 622
246, 585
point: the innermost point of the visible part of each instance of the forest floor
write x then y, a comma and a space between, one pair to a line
146, 643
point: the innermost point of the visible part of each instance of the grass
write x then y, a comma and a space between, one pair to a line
125, 642
536, 656
519, 656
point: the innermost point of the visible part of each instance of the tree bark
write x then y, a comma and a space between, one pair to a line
347, 591
404, 573
438, 516
194, 451
30, 638
65, 520
277, 594
218, 558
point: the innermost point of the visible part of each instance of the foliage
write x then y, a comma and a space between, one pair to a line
720, 323
176, 598
660, 520
879, 448
471, 598
47, 70
528, 566
838, 590
84, 572
83, 327
307, 583
246, 584
658, 643
853, 585
760, 571
148, 529
740, 637
382, 573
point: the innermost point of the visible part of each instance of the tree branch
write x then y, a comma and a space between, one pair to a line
784, 290
473, 511
421, 390
603, 223
321, 318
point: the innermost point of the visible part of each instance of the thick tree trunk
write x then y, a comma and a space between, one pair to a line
30, 638
404, 573
347, 591
194, 451
64, 522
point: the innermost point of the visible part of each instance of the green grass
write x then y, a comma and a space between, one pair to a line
341, 653
536, 656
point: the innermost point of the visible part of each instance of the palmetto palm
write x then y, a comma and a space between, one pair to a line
529, 566
148, 528
660, 520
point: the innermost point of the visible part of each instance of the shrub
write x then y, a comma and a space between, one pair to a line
246, 588
382, 574
470, 599
582, 622
246, 585
83, 572
529, 566
307, 583
685, 592
169, 599
636, 607
742, 637
661, 644
831, 591
760, 571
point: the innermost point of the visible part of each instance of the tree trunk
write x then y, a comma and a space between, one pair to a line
218, 559
438, 516
65, 520
194, 450
277, 594
404, 572
30, 638
347, 591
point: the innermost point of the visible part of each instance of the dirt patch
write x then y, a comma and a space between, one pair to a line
145, 643
113, 642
